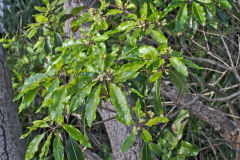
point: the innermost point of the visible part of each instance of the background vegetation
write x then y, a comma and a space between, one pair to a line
133, 47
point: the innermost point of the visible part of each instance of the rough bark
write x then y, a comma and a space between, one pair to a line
211, 115
117, 132
11, 147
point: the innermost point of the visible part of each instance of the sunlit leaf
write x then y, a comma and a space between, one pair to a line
119, 101
74, 152
33, 146
76, 134
91, 105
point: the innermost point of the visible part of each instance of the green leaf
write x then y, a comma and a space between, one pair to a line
143, 11
134, 36
148, 52
119, 101
158, 36
178, 79
146, 136
33, 146
146, 152
128, 71
211, 19
171, 138
57, 107
126, 25
180, 122
45, 148
155, 77
205, 1
77, 135
113, 12
181, 18
91, 105
32, 32
199, 13
28, 98
156, 120
188, 149
119, 3
190, 63
78, 99
40, 9
138, 110
76, 10
57, 40
156, 148
225, 4
58, 149
74, 152
177, 63
157, 100
128, 142
41, 18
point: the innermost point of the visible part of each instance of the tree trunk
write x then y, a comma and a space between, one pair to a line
11, 147
117, 132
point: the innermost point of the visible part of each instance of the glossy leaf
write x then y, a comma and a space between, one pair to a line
77, 135
33, 146
143, 11
181, 18
225, 4
138, 110
155, 77
128, 71
58, 149
156, 120
113, 12
157, 100
127, 25
57, 107
32, 32
119, 101
128, 142
199, 13
78, 99
205, 1
146, 136
74, 152
28, 98
158, 36
146, 152
179, 65
91, 105
45, 148
41, 18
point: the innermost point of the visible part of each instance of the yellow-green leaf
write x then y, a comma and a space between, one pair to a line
156, 120
41, 18
179, 65
146, 136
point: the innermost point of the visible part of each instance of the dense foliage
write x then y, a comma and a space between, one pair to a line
130, 49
